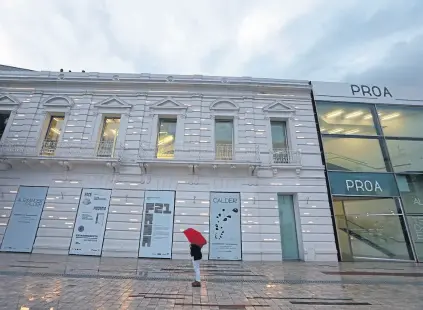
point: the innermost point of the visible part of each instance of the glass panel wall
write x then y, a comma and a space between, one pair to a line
365, 138
401, 121
109, 134
166, 138
353, 154
406, 155
348, 119
370, 228
51, 139
224, 135
411, 189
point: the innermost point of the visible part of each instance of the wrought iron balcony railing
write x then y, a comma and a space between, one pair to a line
176, 153
51, 148
223, 152
285, 156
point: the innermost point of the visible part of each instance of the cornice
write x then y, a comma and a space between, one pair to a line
113, 80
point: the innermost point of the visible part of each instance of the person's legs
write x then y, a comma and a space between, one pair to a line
196, 264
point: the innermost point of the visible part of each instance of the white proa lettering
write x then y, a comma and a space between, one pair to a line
349, 184
378, 187
368, 186
359, 185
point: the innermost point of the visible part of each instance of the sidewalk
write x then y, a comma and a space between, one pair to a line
77, 282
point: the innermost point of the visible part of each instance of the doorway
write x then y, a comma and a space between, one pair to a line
288, 228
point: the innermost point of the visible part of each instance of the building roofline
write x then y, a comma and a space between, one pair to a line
145, 78
13, 69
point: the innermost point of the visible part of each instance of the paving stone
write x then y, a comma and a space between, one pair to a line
69, 282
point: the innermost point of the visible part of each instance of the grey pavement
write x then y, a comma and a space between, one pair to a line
77, 282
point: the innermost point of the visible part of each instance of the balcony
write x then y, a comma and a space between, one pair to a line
50, 149
285, 156
220, 154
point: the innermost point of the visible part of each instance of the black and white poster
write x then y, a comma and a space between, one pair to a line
225, 226
88, 233
23, 223
157, 229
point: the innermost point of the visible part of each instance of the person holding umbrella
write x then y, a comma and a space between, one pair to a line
197, 241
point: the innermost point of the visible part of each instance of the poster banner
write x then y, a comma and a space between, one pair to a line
157, 229
88, 233
225, 226
23, 223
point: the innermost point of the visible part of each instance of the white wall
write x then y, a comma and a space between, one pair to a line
252, 112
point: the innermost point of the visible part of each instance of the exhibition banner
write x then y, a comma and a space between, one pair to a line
157, 229
225, 226
23, 223
88, 233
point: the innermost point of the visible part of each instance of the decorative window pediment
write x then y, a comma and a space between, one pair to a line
224, 105
58, 104
8, 102
168, 106
279, 109
113, 103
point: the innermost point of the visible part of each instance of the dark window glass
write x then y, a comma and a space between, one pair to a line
224, 135
4, 117
279, 140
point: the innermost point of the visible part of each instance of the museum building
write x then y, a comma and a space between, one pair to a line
372, 145
121, 164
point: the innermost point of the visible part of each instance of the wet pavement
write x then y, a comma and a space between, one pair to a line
76, 282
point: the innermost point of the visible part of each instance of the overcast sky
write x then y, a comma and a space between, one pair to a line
328, 40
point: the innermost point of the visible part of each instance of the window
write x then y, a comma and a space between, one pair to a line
345, 119
401, 122
52, 136
224, 136
406, 155
109, 134
4, 117
353, 154
279, 142
411, 189
166, 138
370, 228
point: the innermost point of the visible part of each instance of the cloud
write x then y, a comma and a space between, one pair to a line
304, 39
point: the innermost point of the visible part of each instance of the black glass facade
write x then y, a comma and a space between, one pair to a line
374, 160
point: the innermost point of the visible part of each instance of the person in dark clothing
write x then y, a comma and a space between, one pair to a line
196, 255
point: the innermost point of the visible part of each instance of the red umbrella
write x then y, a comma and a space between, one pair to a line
195, 237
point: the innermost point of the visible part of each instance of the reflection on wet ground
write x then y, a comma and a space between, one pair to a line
75, 282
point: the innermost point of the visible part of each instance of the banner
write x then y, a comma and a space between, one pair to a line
157, 229
23, 223
225, 226
88, 233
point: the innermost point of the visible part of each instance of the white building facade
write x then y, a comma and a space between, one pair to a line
121, 164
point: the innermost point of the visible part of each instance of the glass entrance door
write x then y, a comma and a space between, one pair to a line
288, 228
370, 228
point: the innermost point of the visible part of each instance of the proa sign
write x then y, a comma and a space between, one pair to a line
362, 184
370, 91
